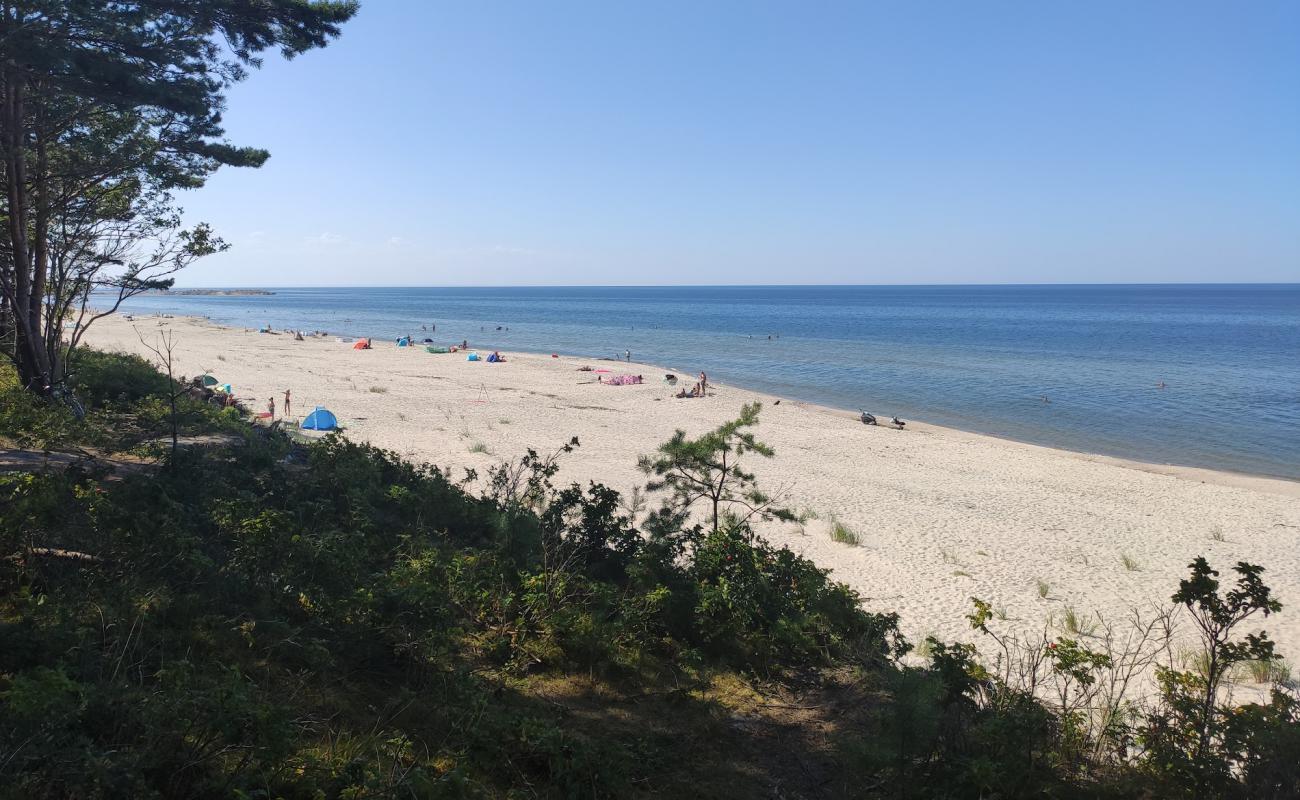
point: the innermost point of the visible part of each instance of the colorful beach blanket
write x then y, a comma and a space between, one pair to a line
623, 380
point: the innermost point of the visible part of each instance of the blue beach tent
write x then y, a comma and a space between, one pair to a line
322, 419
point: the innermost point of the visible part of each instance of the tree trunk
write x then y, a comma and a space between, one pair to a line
41, 256
30, 357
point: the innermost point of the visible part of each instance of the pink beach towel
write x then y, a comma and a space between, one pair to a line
623, 380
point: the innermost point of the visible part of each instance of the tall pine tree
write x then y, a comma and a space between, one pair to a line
105, 109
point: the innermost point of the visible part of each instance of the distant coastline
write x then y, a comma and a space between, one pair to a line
213, 292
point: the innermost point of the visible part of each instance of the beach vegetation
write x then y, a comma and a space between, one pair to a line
1268, 670
807, 515
1043, 588
1216, 534
1076, 623
839, 532
265, 617
924, 649
377, 389
1130, 563
479, 447
708, 470
1193, 740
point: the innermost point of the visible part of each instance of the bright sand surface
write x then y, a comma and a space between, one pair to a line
943, 515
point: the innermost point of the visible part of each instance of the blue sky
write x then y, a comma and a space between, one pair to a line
496, 143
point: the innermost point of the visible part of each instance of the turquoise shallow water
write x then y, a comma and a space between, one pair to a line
974, 357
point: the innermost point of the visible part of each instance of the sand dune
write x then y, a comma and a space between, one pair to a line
942, 514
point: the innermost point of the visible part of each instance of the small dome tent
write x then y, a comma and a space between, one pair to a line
322, 419
208, 380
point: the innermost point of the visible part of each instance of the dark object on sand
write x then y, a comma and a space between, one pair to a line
777, 403
670, 379
898, 423
868, 419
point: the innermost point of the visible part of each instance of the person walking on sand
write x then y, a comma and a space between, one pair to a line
704, 383
287, 406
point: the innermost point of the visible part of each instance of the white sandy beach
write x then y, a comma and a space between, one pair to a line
943, 514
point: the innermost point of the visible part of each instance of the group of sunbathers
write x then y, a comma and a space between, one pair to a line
700, 389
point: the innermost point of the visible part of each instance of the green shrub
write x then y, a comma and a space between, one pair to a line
115, 380
328, 620
757, 604
30, 421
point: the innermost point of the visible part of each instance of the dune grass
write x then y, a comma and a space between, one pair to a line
839, 532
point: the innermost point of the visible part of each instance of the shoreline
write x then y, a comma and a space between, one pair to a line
1278, 484
942, 514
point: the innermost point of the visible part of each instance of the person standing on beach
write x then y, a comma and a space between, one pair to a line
287, 406
627, 354
704, 383
270, 406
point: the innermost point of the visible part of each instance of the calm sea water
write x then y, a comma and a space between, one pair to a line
978, 358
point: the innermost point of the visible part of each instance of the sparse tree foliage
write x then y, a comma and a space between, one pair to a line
106, 108
1196, 740
708, 468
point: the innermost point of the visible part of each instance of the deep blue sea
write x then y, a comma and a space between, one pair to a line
979, 358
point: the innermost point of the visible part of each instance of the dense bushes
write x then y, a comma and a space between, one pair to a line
263, 619
105, 380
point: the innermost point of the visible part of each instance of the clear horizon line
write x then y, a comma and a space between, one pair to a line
714, 285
